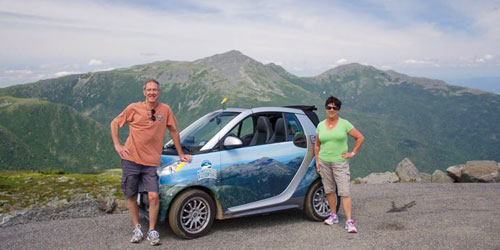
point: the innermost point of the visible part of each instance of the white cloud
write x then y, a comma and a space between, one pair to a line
108, 69
484, 58
65, 73
300, 35
413, 61
18, 72
429, 62
341, 61
94, 62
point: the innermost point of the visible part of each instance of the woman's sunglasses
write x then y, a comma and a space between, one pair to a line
332, 108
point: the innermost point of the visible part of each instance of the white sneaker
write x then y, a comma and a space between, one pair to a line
332, 219
138, 235
154, 238
349, 225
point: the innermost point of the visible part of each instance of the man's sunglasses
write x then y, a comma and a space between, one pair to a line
332, 108
153, 118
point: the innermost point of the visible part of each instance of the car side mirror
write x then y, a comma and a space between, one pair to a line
232, 142
300, 141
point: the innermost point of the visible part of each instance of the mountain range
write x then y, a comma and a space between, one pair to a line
434, 124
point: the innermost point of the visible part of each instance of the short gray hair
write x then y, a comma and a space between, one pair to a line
151, 80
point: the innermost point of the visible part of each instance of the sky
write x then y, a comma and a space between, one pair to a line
440, 39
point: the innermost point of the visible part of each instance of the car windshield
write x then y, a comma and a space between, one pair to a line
194, 137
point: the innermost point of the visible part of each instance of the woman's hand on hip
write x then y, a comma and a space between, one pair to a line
347, 155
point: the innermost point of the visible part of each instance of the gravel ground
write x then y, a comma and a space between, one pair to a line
388, 216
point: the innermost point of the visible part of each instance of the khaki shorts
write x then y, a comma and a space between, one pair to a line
335, 172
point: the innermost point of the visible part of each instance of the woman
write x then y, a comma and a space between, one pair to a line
332, 159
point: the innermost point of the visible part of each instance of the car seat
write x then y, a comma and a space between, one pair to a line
262, 131
279, 131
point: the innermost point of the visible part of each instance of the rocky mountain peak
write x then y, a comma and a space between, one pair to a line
348, 69
230, 58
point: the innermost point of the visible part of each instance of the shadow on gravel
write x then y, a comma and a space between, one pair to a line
395, 209
261, 221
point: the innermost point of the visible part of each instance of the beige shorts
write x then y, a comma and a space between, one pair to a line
335, 172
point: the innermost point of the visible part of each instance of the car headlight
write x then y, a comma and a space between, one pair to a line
170, 168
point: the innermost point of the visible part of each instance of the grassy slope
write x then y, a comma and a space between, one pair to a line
42, 135
25, 189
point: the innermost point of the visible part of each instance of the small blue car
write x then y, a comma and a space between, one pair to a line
245, 162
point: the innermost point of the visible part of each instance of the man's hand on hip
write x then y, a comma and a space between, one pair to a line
122, 151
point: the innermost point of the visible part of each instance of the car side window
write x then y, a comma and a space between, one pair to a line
293, 127
261, 128
246, 127
244, 130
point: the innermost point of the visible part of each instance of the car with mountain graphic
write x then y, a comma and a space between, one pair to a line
245, 162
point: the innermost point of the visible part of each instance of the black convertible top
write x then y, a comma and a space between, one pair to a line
309, 111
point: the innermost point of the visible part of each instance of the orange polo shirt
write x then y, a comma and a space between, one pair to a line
145, 141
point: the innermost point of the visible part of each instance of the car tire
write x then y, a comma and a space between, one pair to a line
192, 214
316, 205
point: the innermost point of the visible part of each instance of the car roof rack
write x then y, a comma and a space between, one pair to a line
309, 111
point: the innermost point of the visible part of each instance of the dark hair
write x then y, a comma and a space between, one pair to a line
151, 80
334, 100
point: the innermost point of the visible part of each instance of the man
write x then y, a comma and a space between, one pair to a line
142, 152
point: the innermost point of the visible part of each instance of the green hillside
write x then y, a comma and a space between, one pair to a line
432, 123
38, 135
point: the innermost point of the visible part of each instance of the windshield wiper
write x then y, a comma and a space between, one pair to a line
188, 150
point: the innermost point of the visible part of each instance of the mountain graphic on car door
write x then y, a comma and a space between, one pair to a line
258, 172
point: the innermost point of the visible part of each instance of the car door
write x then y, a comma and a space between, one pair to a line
266, 163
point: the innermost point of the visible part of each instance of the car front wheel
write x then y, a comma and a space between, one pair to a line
192, 214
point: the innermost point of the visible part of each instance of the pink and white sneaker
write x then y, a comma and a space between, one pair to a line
332, 219
349, 225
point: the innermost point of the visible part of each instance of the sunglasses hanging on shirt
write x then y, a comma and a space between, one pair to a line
153, 118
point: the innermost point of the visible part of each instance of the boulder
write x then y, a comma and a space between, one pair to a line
377, 178
108, 204
121, 206
440, 177
480, 171
455, 172
425, 177
407, 171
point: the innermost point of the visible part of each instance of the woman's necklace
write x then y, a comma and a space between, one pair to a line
330, 124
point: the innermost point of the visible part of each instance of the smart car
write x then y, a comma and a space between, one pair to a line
245, 162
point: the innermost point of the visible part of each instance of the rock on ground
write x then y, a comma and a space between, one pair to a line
455, 172
480, 171
407, 171
425, 177
440, 177
378, 178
